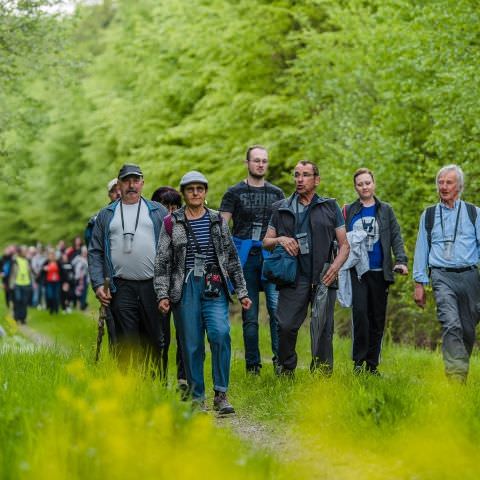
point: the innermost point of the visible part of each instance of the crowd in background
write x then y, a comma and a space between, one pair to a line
45, 277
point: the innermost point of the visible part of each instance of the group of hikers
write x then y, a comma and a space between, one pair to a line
173, 254
162, 258
52, 278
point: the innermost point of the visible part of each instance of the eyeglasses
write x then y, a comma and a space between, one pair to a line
303, 175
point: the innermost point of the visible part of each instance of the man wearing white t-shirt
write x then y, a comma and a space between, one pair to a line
123, 248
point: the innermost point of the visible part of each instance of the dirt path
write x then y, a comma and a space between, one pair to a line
268, 439
260, 434
36, 337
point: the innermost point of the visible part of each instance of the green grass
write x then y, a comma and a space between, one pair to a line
75, 330
410, 423
62, 416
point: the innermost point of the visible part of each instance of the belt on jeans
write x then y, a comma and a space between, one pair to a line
455, 270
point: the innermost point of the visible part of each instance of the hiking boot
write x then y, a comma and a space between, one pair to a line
358, 368
275, 363
458, 378
372, 370
199, 406
281, 371
182, 388
221, 404
254, 370
319, 367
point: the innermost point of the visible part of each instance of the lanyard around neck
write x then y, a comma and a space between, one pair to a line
306, 211
138, 215
364, 224
456, 222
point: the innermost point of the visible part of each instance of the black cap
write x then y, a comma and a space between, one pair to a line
129, 169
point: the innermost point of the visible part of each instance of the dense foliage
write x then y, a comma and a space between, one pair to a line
173, 86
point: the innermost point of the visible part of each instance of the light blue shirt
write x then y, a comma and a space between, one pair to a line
465, 250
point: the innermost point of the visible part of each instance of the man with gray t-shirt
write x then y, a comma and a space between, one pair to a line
123, 248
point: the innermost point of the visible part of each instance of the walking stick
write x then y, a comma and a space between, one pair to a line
102, 316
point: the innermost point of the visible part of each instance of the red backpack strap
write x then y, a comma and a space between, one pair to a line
167, 221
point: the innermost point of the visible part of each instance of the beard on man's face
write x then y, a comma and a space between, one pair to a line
257, 176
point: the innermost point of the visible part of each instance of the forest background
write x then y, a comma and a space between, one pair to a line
178, 85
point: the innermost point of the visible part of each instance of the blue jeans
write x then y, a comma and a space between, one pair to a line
194, 315
82, 298
252, 271
38, 293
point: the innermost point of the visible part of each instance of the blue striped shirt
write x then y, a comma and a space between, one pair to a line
201, 229
466, 249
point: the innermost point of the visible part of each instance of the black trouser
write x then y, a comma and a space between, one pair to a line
110, 322
181, 374
67, 297
8, 293
137, 320
291, 312
369, 307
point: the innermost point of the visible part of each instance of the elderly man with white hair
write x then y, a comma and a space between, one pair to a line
447, 254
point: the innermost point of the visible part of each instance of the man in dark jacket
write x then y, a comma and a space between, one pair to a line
306, 225
123, 248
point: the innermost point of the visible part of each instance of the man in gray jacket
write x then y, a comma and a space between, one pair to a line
123, 248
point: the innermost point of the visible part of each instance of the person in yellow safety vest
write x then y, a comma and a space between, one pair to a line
21, 284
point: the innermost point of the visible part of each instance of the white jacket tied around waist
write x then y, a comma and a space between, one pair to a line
357, 258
